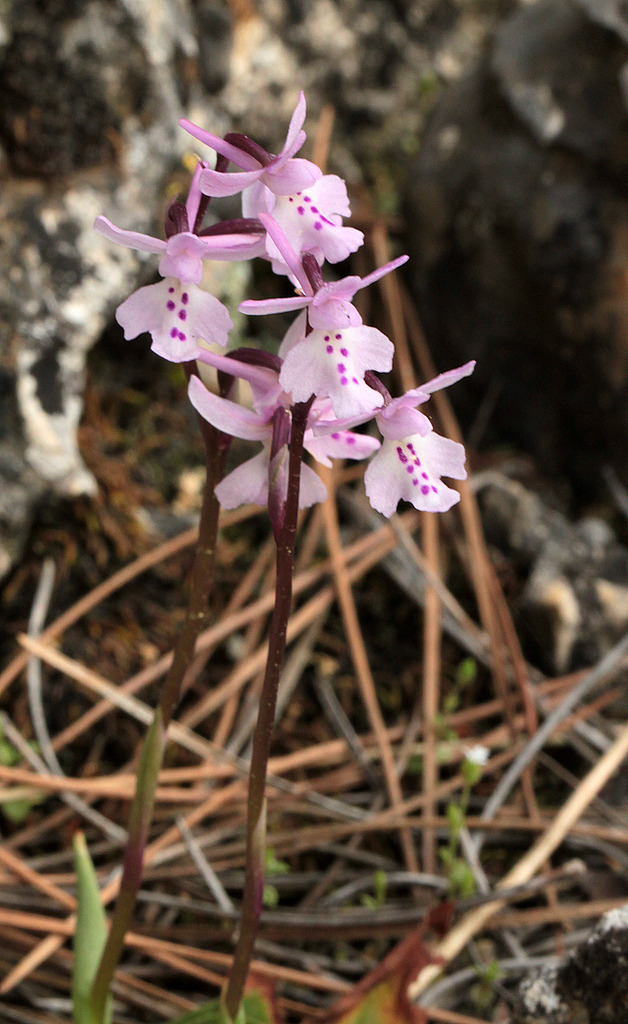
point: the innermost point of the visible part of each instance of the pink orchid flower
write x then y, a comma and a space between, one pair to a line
249, 483
413, 458
311, 220
330, 360
281, 174
176, 312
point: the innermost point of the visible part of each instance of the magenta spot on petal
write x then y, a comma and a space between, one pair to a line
425, 489
290, 199
343, 380
171, 290
425, 476
330, 348
355, 380
344, 351
313, 209
307, 199
181, 336
417, 462
326, 338
184, 298
402, 455
301, 210
341, 367
415, 482
351, 440
435, 490
170, 304
336, 437
338, 337
182, 314
409, 469
174, 333
318, 226
410, 446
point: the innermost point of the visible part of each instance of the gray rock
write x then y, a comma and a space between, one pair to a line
519, 202
574, 603
589, 987
85, 83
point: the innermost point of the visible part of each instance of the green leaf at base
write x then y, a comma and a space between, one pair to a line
89, 937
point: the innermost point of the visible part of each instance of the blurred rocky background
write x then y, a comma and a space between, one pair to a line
492, 132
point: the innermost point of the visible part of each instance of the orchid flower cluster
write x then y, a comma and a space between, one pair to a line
292, 215
321, 385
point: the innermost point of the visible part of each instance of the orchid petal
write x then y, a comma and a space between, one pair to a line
261, 376
221, 183
311, 487
226, 149
257, 199
246, 485
293, 176
130, 239
311, 221
382, 271
404, 421
257, 307
175, 316
342, 444
411, 469
295, 333
184, 265
414, 397
288, 255
294, 133
327, 312
444, 380
227, 416
333, 365
324, 427
193, 200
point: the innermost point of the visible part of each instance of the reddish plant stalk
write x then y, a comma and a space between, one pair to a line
256, 807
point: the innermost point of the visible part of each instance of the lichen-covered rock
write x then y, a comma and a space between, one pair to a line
589, 987
519, 200
88, 126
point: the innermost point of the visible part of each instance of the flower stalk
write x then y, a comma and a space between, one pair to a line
256, 808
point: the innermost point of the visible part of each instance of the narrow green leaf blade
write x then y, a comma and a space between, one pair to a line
89, 937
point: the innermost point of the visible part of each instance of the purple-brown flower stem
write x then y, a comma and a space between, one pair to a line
256, 809
151, 759
198, 608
